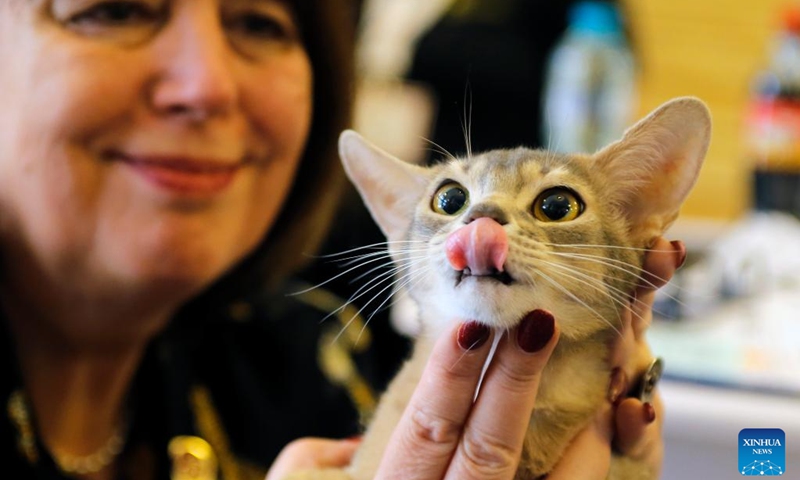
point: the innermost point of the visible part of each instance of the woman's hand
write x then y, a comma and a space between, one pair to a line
312, 454
442, 434
626, 424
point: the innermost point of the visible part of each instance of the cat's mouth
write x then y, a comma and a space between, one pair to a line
502, 277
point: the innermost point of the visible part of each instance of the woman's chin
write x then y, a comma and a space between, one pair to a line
178, 258
172, 277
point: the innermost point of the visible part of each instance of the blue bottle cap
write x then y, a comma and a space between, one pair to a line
595, 17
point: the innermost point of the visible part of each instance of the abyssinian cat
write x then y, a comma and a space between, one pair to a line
494, 236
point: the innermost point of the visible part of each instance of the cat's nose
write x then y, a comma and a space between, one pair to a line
486, 209
481, 246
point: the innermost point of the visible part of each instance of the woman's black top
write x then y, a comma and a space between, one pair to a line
248, 380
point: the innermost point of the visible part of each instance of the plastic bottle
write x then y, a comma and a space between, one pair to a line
773, 123
590, 84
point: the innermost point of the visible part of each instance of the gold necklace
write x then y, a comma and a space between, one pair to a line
95, 461
19, 412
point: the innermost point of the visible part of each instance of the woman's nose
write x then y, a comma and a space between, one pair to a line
195, 78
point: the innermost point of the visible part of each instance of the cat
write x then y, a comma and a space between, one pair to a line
572, 232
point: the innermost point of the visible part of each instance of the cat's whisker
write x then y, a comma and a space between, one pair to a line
397, 295
549, 123
466, 124
400, 285
577, 299
620, 265
616, 295
554, 149
620, 297
372, 259
632, 283
407, 260
440, 149
465, 353
377, 280
377, 245
461, 357
370, 285
601, 246
347, 261
397, 287
338, 275
641, 279
632, 270
576, 271
377, 295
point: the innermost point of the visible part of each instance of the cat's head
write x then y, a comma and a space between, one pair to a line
497, 235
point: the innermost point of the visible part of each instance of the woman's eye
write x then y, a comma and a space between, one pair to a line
450, 199
557, 205
261, 26
126, 22
253, 27
115, 13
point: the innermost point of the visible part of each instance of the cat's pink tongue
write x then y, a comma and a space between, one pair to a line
481, 246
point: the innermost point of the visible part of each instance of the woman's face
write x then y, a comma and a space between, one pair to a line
147, 142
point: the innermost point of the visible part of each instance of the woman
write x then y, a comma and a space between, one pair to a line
161, 161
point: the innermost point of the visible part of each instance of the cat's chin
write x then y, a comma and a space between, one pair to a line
489, 301
482, 299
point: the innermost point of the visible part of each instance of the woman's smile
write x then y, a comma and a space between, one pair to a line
183, 175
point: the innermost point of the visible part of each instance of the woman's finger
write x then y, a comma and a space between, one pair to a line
312, 454
661, 262
491, 443
430, 429
639, 428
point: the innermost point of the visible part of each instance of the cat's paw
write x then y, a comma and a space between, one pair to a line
320, 474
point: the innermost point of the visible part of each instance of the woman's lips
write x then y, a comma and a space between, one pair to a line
184, 175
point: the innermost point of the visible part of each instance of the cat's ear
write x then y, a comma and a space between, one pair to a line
651, 170
391, 188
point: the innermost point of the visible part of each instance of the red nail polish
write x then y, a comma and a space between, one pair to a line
681, 248
472, 335
535, 330
649, 413
618, 386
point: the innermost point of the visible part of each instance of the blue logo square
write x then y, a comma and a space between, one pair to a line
762, 452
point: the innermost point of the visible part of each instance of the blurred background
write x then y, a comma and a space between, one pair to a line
570, 76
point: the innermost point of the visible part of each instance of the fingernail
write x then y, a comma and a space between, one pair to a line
681, 248
472, 335
536, 330
618, 386
649, 413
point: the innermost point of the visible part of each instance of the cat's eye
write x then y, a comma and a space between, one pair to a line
450, 199
557, 205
